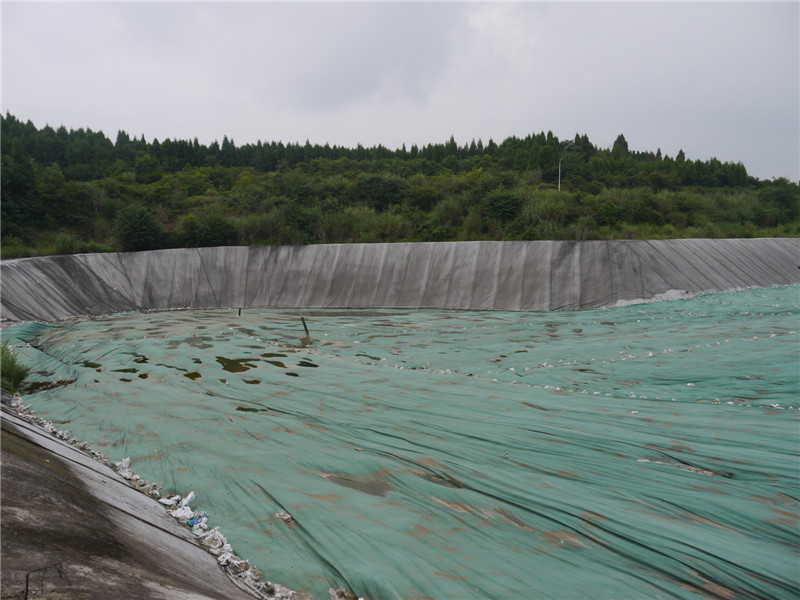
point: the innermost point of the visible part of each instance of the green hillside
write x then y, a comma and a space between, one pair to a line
67, 191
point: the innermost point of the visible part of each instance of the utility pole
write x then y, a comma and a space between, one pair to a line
559, 163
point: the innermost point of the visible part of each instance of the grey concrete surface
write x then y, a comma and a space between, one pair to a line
536, 275
72, 528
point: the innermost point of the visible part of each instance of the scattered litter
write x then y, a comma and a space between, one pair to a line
197, 519
182, 513
684, 467
239, 569
342, 594
287, 519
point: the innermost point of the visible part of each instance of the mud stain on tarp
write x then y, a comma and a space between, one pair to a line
564, 538
375, 484
235, 365
452, 577
510, 518
40, 386
439, 478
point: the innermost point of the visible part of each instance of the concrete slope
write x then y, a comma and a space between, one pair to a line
535, 275
73, 528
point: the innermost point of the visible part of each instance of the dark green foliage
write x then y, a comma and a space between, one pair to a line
620, 147
784, 196
423, 198
21, 205
379, 190
137, 229
67, 243
502, 205
147, 169
211, 229
71, 190
299, 220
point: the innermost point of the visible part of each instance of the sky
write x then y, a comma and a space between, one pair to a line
716, 79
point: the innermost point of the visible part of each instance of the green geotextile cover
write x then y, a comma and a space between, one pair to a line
647, 451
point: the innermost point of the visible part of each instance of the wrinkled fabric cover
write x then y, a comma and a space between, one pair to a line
527, 276
646, 451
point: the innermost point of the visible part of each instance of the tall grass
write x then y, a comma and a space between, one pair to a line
12, 372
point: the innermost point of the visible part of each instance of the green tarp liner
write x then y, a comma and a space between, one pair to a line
647, 451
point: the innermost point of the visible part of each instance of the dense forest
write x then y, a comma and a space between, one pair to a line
67, 191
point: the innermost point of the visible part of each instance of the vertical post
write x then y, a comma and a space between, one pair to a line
305, 340
559, 163
559, 172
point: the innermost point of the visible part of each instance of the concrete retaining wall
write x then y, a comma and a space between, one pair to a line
536, 275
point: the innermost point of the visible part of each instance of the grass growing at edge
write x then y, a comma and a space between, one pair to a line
11, 371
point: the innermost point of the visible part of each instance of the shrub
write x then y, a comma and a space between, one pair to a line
96, 247
137, 229
784, 196
502, 205
449, 212
15, 248
67, 243
214, 229
12, 372
473, 222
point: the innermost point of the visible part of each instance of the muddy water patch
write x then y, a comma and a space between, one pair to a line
236, 365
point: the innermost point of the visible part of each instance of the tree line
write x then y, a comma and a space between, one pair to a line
76, 190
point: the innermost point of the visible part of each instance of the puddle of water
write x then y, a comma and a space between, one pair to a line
236, 365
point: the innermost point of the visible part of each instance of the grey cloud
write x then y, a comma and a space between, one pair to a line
719, 79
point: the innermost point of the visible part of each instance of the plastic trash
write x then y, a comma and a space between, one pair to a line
198, 518
182, 513
239, 566
123, 468
201, 527
287, 519
214, 541
170, 501
189, 497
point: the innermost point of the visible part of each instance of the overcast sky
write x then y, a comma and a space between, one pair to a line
716, 80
